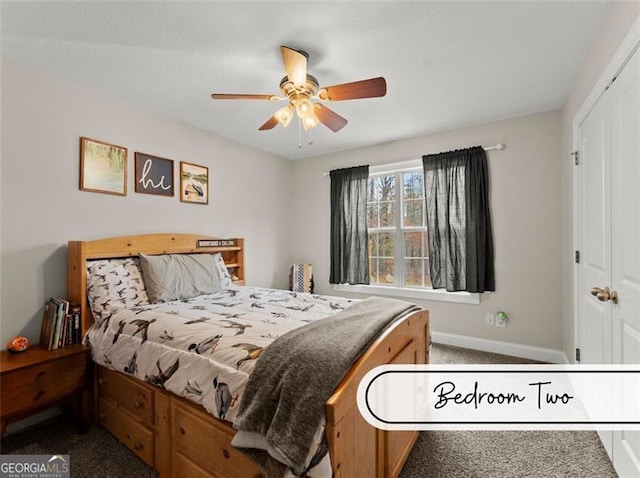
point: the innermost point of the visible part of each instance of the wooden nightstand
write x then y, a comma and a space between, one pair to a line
39, 378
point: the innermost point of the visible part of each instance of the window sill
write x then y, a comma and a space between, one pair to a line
405, 292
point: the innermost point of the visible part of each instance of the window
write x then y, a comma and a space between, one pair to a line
397, 233
398, 248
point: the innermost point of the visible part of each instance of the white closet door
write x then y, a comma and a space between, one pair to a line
595, 232
609, 241
594, 199
625, 212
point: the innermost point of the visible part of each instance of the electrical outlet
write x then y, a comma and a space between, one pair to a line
489, 319
501, 319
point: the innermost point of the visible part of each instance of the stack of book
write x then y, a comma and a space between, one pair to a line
60, 324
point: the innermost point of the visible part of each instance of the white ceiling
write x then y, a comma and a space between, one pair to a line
447, 64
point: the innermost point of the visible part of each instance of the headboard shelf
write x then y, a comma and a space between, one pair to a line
79, 252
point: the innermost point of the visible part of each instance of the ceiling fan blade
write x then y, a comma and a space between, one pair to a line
371, 88
329, 118
233, 96
295, 65
270, 124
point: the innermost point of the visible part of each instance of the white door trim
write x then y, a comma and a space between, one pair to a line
628, 44
624, 51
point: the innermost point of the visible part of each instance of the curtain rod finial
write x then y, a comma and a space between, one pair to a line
500, 146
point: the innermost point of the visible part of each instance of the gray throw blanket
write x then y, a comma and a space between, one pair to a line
284, 401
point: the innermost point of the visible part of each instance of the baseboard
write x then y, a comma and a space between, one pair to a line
498, 347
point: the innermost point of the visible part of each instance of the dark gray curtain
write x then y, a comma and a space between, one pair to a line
459, 220
349, 237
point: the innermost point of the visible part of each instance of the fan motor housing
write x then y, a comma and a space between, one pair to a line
292, 91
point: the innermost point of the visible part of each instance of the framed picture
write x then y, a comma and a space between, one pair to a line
194, 183
154, 175
103, 167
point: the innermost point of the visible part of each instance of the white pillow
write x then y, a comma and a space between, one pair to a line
179, 276
114, 285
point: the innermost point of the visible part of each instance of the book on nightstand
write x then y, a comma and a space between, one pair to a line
57, 323
74, 312
48, 322
62, 309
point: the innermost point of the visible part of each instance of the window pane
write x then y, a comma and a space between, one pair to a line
414, 213
371, 190
373, 244
386, 244
381, 271
413, 272
413, 244
427, 275
386, 188
373, 270
387, 214
385, 272
372, 213
413, 187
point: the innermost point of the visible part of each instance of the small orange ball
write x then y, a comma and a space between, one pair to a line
18, 344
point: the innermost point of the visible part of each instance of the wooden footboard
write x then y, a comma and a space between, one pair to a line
358, 449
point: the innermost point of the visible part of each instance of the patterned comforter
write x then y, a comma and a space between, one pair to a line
204, 348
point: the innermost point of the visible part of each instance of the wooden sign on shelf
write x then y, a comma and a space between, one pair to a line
216, 243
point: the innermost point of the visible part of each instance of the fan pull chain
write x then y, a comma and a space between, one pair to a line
311, 137
299, 133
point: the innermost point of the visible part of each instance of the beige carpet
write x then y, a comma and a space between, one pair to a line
504, 453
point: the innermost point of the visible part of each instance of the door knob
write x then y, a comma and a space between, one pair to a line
604, 295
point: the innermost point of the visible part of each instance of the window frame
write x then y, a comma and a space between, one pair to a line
396, 290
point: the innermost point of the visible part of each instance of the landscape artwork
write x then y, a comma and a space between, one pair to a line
194, 183
103, 167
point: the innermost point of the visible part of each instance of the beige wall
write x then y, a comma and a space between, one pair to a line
614, 29
525, 198
42, 208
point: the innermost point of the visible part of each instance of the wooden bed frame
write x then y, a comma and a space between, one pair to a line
179, 438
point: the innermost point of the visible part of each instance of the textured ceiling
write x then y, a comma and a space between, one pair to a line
447, 64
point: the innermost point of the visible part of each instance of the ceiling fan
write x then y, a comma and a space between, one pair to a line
300, 88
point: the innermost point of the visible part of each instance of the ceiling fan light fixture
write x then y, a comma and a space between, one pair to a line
304, 108
310, 122
284, 115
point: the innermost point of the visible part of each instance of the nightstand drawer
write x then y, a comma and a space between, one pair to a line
34, 386
136, 400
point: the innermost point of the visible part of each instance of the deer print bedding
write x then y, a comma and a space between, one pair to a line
204, 348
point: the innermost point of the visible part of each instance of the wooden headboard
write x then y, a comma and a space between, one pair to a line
79, 252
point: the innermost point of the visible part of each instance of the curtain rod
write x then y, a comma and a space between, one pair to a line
497, 147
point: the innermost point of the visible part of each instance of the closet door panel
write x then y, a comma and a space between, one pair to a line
625, 207
625, 241
595, 233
